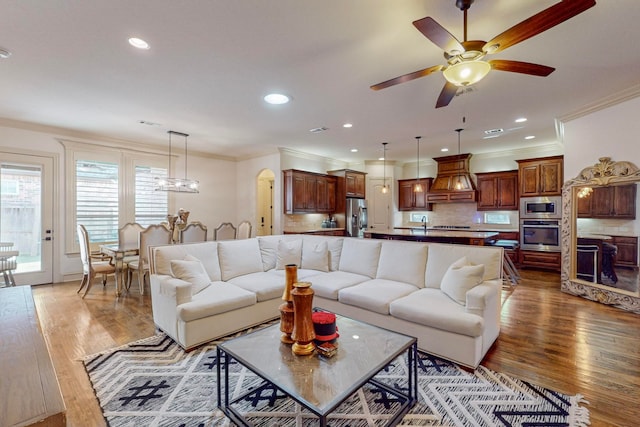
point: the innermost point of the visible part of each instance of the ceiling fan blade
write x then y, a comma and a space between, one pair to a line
438, 35
521, 67
407, 77
448, 92
538, 23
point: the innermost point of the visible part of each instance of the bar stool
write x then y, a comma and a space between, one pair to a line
587, 268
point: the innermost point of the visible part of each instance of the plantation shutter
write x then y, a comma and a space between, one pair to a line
151, 206
97, 199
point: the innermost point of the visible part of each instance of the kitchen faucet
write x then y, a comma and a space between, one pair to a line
424, 222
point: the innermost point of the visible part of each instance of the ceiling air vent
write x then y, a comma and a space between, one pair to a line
493, 131
320, 129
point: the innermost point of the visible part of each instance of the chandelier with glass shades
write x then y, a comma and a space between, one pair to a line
180, 185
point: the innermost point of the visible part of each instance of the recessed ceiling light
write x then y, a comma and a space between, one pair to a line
529, 137
4, 54
380, 158
521, 120
347, 125
444, 150
276, 98
354, 150
490, 136
139, 43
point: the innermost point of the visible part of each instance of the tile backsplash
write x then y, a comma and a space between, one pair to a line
463, 214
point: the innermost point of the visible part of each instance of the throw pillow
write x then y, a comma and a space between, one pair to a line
289, 252
191, 270
461, 277
315, 256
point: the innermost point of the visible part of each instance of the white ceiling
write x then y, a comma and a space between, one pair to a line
211, 62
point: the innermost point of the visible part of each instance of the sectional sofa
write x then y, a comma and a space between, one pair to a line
447, 296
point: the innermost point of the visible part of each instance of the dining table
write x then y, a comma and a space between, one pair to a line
118, 254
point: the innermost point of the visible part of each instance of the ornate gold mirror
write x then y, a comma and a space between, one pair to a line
600, 229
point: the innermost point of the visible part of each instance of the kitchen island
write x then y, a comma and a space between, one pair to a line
464, 237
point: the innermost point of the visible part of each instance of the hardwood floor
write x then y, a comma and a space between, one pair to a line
548, 338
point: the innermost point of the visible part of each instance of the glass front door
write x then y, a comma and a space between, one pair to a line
26, 215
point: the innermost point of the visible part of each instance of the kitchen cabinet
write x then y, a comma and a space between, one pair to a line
541, 176
408, 200
612, 201
350, 183
308, 192
497, 190
627, 255
543, 260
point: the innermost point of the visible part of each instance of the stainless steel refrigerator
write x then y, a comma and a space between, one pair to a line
356, 217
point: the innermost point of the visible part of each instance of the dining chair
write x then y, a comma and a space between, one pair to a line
91, 266
153, 235
128, 236
193, 232
225, 231
8, 262
244, 230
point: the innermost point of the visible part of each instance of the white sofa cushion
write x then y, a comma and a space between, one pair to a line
375, 295
238, 257
206, 252
334, 245
266, 286
431, 307
441, 256
403, 261
329, 284
218, 298
315, 255
268, 251
289, 252
360, 256
461, 276
191, 270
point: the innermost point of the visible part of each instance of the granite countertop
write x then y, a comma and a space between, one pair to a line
472, 234
293, 230
473, 228
594, 236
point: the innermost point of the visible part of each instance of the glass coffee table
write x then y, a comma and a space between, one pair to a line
319, 384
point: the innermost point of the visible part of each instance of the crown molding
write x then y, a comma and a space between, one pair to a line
601, 104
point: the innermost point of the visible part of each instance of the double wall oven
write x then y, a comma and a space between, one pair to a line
540, 219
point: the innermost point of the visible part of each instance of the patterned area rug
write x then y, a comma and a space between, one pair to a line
153, 382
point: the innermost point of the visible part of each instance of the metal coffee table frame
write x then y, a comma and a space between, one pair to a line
354, 355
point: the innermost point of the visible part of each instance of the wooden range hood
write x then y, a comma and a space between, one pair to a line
451, 170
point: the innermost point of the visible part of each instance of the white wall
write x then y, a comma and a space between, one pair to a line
610, 132
247, 172
215, 203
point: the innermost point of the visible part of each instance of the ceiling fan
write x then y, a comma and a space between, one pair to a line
465, 65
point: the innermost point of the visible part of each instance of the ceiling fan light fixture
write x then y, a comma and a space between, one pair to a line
466, 73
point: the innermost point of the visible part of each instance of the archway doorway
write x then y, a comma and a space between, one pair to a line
264, 204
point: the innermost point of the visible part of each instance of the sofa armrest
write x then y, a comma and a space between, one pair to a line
484, 298
176, 290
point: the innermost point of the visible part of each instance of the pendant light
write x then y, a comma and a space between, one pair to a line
181, 185
385, 189
418, 188
458, 185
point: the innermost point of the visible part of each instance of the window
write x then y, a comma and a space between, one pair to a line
151, 206
97, 199
496, 218
109, 186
